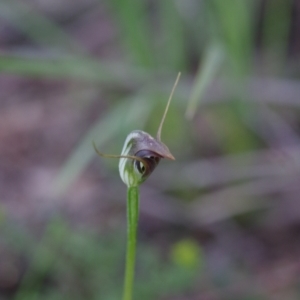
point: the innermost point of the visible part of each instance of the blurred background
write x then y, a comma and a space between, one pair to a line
223, 220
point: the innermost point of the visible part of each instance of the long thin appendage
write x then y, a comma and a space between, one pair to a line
158, 136
118, 156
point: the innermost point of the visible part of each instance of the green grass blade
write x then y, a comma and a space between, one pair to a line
276, 29
173, 42
233, 19
133, 19
212, 60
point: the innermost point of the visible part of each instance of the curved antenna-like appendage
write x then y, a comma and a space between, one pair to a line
117, 156
158, 135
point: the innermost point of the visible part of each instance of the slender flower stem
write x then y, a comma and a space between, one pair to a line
132, 225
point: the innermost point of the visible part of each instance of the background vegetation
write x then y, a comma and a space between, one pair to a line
222, 221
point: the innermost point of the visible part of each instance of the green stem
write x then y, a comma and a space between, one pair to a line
132, 225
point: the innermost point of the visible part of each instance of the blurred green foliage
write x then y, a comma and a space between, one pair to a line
210, 41
79, 264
